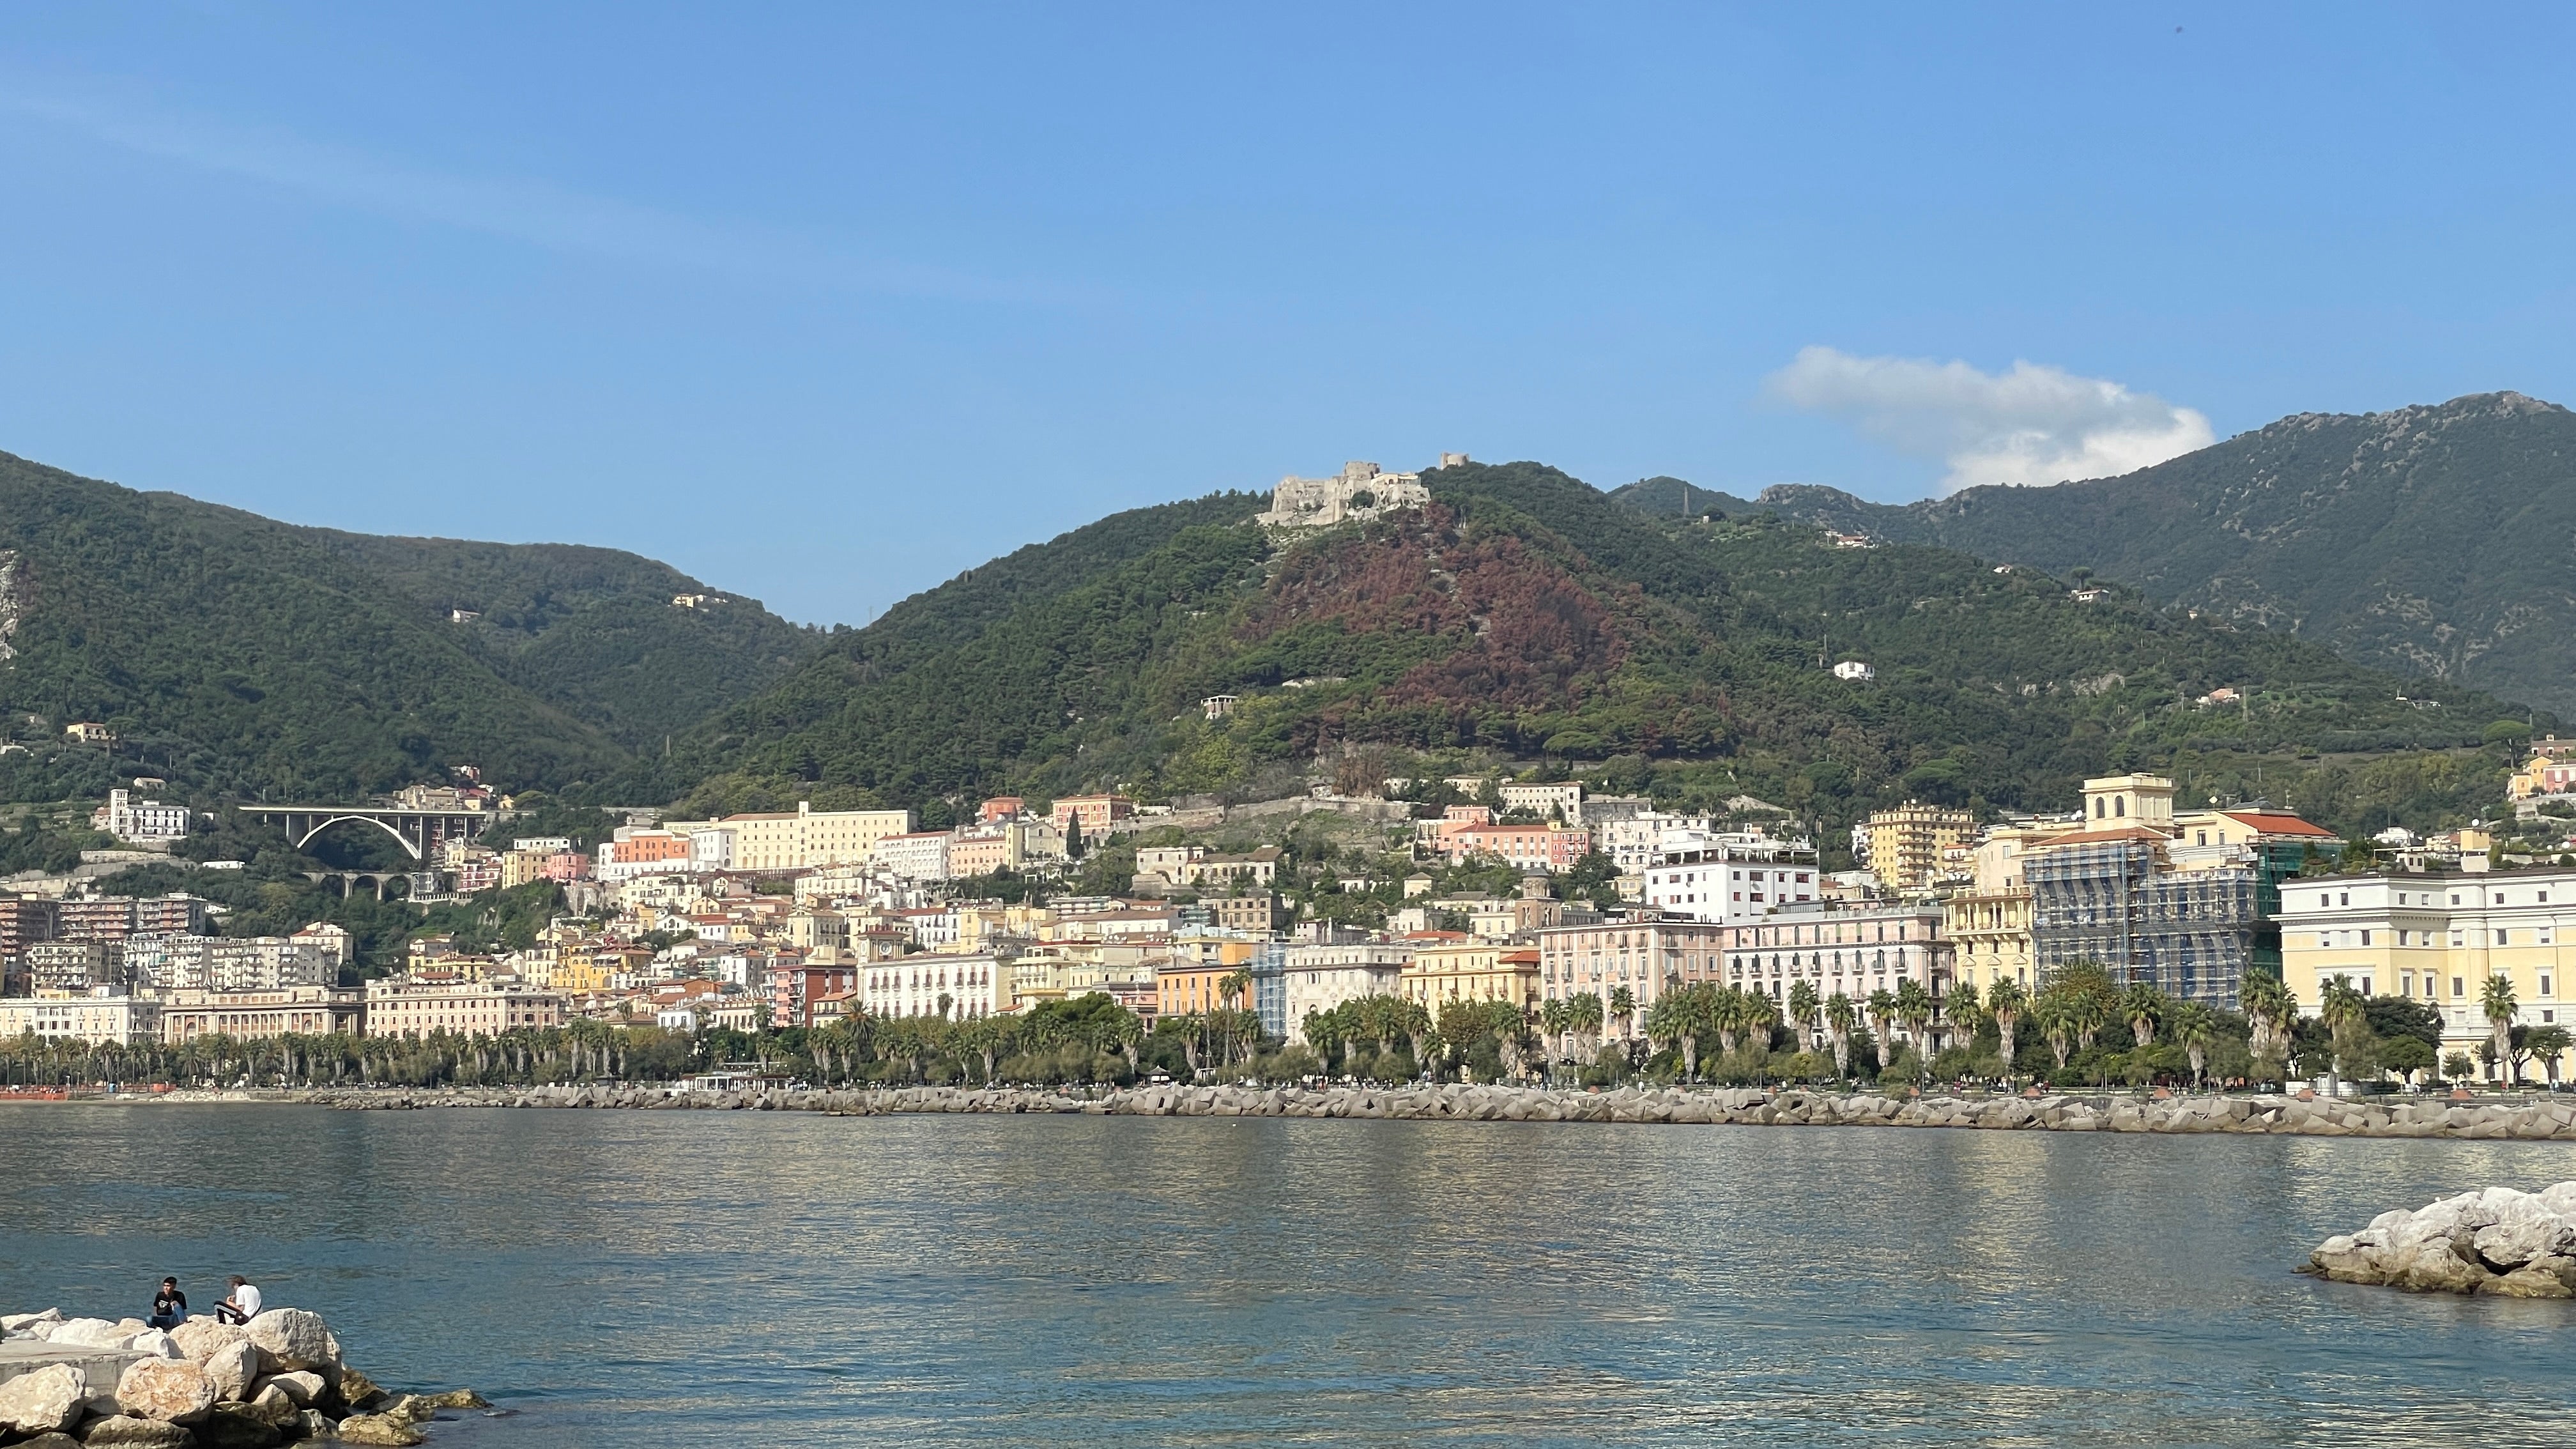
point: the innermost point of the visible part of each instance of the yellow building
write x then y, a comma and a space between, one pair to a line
810, 837
1992, 932
1471, 971
1906, 844
1189, 988
2437, 939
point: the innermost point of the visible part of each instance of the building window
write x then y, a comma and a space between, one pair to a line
2503, 936
2459, 987
2365, 940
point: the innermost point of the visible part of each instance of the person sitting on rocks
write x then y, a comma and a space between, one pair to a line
243, 1306
169, 1306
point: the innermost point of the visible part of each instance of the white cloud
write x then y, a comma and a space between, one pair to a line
2027, 426
533, 211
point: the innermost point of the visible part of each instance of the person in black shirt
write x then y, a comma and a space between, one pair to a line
169, 1306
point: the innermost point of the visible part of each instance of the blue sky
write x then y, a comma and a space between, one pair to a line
823, 304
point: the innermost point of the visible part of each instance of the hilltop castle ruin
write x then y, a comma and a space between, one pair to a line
1362, 491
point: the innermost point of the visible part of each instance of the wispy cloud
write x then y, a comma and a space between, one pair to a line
537, 212
2029, 425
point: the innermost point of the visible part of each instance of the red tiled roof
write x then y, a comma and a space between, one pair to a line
2271, 823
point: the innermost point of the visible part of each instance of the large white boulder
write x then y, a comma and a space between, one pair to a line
47, 1401
233, 1368
303, 1386
26, 1322
174, 1391
200, 1337
294, 1339
2517, 1241
156, 1343
86, 1333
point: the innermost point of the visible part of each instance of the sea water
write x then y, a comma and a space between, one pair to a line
753, 1279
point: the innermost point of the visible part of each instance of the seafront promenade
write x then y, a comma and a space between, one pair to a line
2531, 1119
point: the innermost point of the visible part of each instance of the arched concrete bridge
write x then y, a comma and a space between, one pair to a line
419, 832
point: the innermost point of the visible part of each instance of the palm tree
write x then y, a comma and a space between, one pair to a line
1623, 1009
1727, 1014
2005, 1002
1914, 1009
2196, 1026
2142, 1006
2346, 1015
1235, 986
1840, 1017
1664, 1022
1963, 1011
2269, 1007
1882, 1019
2497, 1002
2056, 1015
1553, 1018
1586, 1021
1803, 1004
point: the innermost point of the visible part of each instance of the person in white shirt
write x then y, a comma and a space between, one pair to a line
243, 1306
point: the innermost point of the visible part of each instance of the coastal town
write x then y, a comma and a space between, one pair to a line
1601, 921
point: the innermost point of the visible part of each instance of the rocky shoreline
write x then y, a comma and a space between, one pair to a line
2541, 1120
2500, 1242
67, 1382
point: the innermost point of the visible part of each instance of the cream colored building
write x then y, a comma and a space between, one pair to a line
808, 837
255, 1015
2437, 939
108, 1020
397, 1008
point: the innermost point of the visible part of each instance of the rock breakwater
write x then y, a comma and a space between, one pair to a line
2332, 1117
200, 1385
2500, 1241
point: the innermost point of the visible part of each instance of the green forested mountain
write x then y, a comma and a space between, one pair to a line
592, 630
1530, 616
235, 654
2429, 540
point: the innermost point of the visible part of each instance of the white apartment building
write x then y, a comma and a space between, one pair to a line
1561, 801
138, 821
711, 849
1730, 876
106, 1020
1319, 978
236, 963
1632, 841
914, 855
914, 986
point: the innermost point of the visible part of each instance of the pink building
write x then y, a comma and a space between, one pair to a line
1650, 958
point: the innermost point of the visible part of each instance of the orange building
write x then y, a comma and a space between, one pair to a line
1186, 988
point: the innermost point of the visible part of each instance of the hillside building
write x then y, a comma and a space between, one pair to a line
1729, 876
1905, 847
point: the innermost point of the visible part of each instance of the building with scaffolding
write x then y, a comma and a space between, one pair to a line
2185, 905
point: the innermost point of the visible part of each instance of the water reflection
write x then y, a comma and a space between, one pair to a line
751, 1279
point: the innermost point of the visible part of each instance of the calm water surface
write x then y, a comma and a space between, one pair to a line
741, 1279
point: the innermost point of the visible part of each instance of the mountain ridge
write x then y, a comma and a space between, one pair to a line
2428, 539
